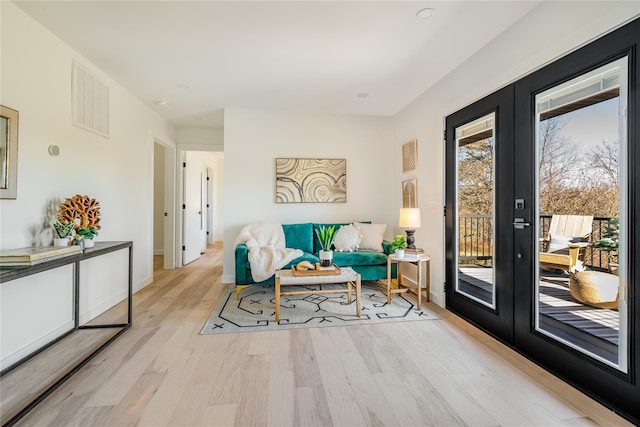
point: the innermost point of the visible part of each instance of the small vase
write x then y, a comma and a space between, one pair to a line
62, 241
89, 243
400, 253
326, 258
79, 242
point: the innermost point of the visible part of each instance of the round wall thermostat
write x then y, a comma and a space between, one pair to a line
54, 150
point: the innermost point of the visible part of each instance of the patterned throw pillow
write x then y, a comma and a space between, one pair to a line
347, 239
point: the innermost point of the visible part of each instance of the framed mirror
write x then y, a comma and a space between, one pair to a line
8, 153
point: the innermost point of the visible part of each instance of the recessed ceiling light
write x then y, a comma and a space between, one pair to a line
425, 13
182, 86
161, 103
363, 95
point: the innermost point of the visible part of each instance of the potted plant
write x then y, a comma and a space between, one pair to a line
63, 233
610, 243
398, 244
84, 213
326, 236
87, 234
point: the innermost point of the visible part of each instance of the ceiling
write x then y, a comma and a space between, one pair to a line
347, 57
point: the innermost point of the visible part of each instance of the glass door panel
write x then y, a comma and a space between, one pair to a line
581, 204
475, 207
479, 200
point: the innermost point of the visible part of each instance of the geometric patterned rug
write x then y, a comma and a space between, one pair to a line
255, 310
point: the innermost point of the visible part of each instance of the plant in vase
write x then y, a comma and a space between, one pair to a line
610, 243
63, 233
84, 213
398, 244
87, 234
326, 235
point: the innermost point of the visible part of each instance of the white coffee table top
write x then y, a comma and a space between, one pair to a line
347, 274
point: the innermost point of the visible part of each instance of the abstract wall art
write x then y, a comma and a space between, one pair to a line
311, 180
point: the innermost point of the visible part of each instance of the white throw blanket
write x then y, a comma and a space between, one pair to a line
267, 252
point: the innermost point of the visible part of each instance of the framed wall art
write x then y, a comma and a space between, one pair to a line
410, 193
311, 180
410, 156
8, 153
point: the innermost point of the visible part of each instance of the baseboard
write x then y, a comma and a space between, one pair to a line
103, 306
228, 279
142, 284
35, 345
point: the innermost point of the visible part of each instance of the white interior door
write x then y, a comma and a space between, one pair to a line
193, 229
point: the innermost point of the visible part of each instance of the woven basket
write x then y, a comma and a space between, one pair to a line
595, 288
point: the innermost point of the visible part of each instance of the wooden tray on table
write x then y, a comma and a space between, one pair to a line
334, 270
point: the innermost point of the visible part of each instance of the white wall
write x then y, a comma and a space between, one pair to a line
118, 172
549, 31
200, 136
253, 139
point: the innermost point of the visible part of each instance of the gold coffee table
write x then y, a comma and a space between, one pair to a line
347, 276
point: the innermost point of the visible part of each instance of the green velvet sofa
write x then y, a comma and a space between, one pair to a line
371, 265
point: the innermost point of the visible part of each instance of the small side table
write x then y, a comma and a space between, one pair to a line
416, 260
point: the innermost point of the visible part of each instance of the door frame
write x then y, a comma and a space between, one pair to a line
179, 185
584, 372
612, 387
497, 321
169, 231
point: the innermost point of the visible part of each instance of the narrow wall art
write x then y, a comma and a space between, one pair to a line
410, 193
311, 180
410, 156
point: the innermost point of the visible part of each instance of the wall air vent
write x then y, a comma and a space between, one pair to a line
90, 98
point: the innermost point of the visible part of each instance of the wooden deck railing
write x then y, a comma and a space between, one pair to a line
475, 240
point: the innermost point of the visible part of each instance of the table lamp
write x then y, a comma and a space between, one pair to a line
410, 220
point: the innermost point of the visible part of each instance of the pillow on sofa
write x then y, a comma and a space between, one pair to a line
347, 239
372, 236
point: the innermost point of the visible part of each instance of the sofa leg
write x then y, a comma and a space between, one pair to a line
238, 289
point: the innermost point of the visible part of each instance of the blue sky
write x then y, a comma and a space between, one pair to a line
588, 126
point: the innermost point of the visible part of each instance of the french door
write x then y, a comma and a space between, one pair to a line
479, 195
542, 242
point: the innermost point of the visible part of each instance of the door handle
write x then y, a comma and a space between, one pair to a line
519, 224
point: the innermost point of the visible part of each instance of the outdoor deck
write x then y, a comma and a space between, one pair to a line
594, 329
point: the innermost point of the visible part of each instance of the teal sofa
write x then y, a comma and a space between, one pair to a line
371, 265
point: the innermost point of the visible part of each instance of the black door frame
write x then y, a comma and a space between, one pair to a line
499, 320
615, 388
618, 390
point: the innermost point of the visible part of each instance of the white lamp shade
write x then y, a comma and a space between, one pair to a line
409, 218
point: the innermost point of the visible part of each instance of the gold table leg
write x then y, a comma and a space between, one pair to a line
358, 294
277, 299
239, 288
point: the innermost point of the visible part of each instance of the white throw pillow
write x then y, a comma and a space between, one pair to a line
558, 243
372, 236
347, 239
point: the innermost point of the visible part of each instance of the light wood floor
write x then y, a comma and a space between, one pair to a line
430, 373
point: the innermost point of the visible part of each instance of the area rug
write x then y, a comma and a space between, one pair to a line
255, 310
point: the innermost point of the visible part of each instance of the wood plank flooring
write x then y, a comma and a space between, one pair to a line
433, 373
